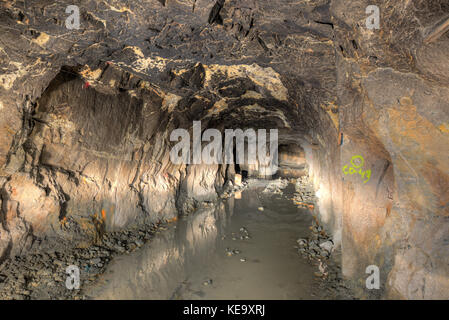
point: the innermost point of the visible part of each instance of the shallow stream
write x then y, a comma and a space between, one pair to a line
230, 250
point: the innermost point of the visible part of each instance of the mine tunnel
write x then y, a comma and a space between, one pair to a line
123, 178
115, 160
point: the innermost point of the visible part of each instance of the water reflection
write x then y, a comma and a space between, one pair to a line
177, 262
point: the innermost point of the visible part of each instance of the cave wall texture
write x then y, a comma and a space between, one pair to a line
86, 116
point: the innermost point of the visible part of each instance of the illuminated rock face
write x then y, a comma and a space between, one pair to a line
86, 118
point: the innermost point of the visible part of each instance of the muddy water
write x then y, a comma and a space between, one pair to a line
189, 259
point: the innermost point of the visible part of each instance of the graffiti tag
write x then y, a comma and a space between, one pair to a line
357, 163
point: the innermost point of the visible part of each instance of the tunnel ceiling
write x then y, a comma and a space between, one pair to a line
290, 46
87, 113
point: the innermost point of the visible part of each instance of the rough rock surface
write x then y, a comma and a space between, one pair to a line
87, 114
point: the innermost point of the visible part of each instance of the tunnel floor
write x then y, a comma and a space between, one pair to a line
244, 247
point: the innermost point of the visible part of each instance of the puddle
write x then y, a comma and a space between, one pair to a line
197, 258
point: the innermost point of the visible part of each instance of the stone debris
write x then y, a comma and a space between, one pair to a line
327, 245
207, 282
42, 274
319, 246
238, 179
230, 189
231, 252
244, 234
304, 196
319, 249
276, 186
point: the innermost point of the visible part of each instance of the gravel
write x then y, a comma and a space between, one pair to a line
42, 274
319, 249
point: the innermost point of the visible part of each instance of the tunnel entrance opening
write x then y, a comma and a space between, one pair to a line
292, 162
244, 169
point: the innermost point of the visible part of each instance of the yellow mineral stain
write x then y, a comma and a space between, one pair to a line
263, 77
11, 131
136, 50
144, 63
103, 21
252, 95
170, 102
122, 9
335, 119
172, 220
388, 209
444, 127
88, 74
96, 74
179, 72
378, 241
86, 224
25, 21
42, 39
334, 116
218, 107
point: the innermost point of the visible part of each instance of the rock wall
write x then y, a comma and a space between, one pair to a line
394, 113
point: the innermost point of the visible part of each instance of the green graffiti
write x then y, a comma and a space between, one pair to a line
361, 160
357, 162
